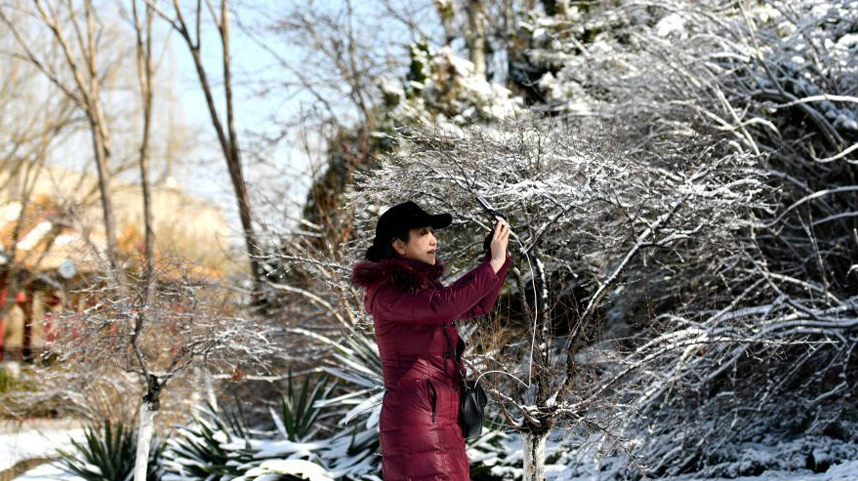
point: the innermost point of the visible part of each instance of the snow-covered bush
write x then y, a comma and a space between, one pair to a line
353, 446
286, 470
214, 447
771, 336
220, 447
442, 88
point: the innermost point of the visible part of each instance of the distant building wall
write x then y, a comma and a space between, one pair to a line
185, 228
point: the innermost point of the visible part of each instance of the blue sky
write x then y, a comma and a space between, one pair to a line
207, 175
253, 67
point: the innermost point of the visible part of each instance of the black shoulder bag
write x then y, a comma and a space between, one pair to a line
472, 400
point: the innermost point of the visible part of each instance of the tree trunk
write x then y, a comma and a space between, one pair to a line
101, 164
534, 456
210, 392
100, 137
228, 138
144, 76
233, 158
144, 440
477, 36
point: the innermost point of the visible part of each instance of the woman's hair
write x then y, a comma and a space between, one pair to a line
375, 254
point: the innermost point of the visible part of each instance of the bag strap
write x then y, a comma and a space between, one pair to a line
451, 353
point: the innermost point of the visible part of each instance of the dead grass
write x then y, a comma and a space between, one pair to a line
22, 467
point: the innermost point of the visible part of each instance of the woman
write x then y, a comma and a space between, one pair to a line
421, 438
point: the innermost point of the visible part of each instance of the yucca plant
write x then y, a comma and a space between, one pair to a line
108, 454
216, 446
359, 361
489, 449
351, 452
298, 407
356, 361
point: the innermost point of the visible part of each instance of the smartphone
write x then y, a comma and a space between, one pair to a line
487, 244
488, 207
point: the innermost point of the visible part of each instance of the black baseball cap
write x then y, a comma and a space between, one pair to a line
406, 215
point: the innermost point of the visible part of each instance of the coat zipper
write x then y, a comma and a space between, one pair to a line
433, 398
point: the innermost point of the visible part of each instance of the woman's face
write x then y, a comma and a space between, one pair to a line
421, 245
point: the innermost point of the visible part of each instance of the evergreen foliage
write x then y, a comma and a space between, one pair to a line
108, 453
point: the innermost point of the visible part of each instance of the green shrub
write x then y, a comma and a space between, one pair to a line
216, 447
7, 381
109, 453
298, 409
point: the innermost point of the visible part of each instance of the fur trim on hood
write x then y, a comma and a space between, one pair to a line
408, 274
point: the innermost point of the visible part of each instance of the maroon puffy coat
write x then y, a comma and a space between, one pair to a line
421, 438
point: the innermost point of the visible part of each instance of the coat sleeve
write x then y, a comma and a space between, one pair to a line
436, 305
488, 301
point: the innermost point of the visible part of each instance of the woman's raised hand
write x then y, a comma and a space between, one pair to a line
500, 240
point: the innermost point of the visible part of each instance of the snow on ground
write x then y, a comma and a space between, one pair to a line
41, 439
47, 472
846, 471
36, 439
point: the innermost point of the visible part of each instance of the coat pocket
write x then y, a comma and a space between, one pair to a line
433, 399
